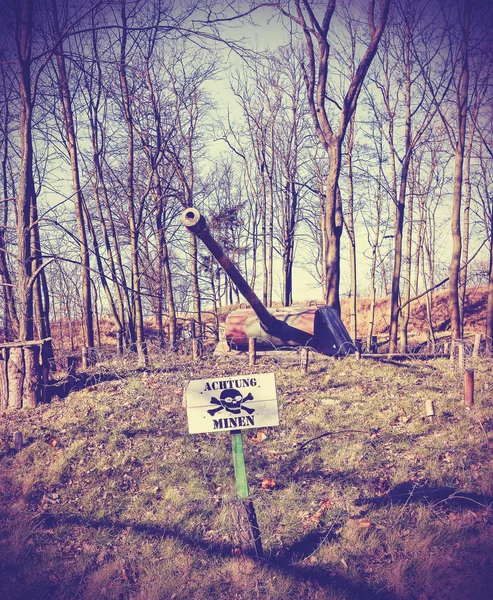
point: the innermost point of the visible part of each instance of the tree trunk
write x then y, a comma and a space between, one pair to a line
289, 227
454, 308
333, 228
26, 193
133, 225
99, 187
10, 324
163, 257
374, 252
466, 223
489, 308
197, 304
4, 382
351, 233
399, 209
265, 262
68, 121
403, 338
16, 369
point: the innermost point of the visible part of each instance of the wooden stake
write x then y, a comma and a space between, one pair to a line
462, 359
4, 383
468, 388
252, 351
477, 345
18, 440
453, 346
430, 409
85, 357
195, 342
247, 531
195, 348
374, 344
359, 345
305, 359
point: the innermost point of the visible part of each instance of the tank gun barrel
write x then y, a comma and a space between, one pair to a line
196, 224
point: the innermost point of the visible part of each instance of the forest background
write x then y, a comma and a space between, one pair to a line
334, 148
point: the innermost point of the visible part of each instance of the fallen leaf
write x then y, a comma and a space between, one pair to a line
52, 441
268, 483
259, 437
364, 524
324, 506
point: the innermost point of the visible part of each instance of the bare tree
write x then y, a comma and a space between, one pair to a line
23, 364
71, 142
315, 65
462, 105
134, 212
10, 323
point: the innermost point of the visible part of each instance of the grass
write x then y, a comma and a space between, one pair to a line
111, 498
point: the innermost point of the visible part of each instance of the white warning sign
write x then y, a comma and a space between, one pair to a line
229, 403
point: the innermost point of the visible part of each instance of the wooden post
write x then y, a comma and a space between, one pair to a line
359, 345
445, 347
4, 384
85, 357
453, 346
195, 341
468, 388
22, 378
462, 359
430, 409
252, 351
305, 359
374, 344
15, 376
477, 345
247, 531
18, 440
31, 392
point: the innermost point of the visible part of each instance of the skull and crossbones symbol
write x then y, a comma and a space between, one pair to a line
233, 401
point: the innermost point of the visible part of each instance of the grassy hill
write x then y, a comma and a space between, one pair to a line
110, 497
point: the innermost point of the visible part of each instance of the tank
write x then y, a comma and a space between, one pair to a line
318, 327
322, 323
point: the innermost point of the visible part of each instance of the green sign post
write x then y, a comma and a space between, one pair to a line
239, 464
232, 404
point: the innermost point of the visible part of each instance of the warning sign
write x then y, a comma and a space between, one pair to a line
229, 403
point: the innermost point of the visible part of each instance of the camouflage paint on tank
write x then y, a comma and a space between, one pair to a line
326, 332
242, 324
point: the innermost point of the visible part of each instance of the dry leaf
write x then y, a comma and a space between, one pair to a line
324, 506
260, 436
364, 524
52, 441
268, 483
